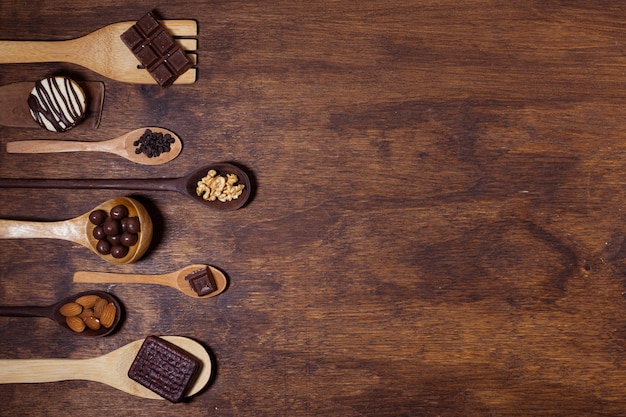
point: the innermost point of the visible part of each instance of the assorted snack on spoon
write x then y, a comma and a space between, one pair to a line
58, 104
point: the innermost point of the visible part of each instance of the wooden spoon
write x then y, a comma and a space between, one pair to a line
52, 312
110, 369
79, 230
121, 145
185, 185
174, 279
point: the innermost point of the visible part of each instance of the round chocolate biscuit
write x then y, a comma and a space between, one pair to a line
57, 103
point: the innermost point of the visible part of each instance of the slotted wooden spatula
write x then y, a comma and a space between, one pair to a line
103, 51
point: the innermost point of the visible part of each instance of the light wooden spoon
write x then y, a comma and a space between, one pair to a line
122, 146
102, 51
174, 279
79, 230
110, 369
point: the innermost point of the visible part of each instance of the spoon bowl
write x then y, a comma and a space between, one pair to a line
224, 168
123, 146
53, 312
135, 209
174, 279
110, 369
185, 185
80, 230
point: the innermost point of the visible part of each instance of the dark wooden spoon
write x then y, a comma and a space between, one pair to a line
185, 185
53, 312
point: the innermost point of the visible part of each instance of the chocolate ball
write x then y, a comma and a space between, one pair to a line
132, 225
114, 240
103, 247
111, 227
119, 212
128, 239
98, 233
97, 217
119, 251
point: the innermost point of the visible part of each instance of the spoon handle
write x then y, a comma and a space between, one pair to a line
19, 229
24, 311
147, 184
116, 278
17, 371
57, 146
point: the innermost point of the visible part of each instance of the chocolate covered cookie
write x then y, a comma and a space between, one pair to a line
57, 103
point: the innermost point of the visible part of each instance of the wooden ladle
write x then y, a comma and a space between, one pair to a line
185, 185
110, 369
79, 230
174, 279
121, 145
53, 312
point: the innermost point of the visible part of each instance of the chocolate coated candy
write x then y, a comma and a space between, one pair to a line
156, 50
119, 212
111, 227
103, 246
97, 217
164, 368
131, 225
128, 239
118, 251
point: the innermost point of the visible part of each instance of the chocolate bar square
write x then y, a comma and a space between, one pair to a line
147, 56
132, 38
148, 24
164, 368
163, 43
156, 50
178, 61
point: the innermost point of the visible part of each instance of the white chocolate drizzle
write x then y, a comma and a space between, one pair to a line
57, 103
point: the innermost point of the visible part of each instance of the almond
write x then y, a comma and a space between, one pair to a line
75, 323
100, 305
87, 301
108, 315
71, 309
87, 312
92, 322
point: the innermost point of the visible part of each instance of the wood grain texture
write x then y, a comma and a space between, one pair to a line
437, 227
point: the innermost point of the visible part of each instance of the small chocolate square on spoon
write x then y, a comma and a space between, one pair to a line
202, 281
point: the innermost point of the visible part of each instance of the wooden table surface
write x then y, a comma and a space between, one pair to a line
438, 223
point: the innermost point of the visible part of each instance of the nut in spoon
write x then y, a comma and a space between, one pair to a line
110, 369
185, 185
80, 230
123, 146
55, 312
174, 279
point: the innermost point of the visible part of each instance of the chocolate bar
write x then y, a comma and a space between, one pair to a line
156, 50
164, 368
202, 281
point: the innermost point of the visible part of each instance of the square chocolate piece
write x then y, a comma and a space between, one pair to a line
202, 281
164, 368
156, 50
148, 24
